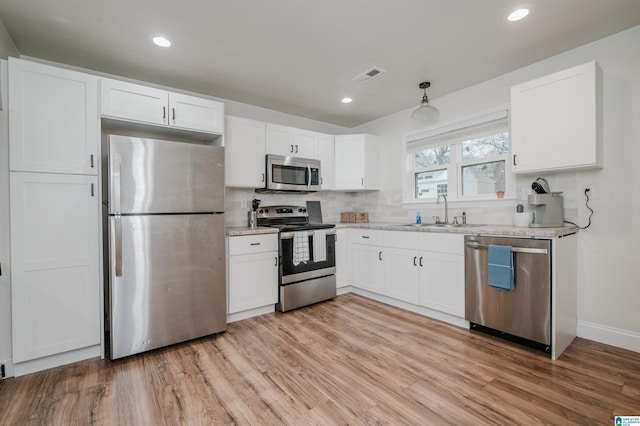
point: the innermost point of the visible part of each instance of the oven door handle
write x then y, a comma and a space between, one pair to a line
289, 235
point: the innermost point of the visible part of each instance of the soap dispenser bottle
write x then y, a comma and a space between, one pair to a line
418, 218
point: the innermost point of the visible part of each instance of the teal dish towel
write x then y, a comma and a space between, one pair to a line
500, 272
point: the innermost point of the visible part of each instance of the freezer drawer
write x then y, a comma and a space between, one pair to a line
167, 280
524, 312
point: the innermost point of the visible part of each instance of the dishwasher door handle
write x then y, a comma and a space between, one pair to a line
513, 249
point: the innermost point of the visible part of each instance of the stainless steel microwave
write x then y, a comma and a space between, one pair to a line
287, 174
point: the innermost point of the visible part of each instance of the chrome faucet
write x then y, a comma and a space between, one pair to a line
446, 207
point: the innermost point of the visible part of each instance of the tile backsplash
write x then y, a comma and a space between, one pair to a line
386, 205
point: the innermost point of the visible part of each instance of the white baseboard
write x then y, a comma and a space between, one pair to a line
609, 335
52, 361
237, 316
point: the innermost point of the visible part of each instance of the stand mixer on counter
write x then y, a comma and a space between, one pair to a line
548, 207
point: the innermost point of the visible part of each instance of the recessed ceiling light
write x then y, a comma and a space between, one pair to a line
518, 14
161, 41
347, 100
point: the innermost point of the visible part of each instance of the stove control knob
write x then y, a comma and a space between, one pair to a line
302, 210
266, 211
261, 211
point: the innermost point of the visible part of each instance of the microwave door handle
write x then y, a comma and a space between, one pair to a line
308, 176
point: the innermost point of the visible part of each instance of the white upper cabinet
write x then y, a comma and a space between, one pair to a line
357, 162
556, 121
326, 148
244, 155
291, 142
142, 104
53, 119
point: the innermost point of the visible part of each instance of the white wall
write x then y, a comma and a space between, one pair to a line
609, 286
5, 289
7, 46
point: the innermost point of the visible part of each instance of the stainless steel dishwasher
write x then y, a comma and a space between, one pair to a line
525, 312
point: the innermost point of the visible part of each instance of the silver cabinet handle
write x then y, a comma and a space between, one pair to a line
164, 112
173, 114
291, 149
362, 181
421, 261
92, 192
414, 260
296, 149
366, 237
514, 160
276, 258
379, 255
262, 177
513, 249
91, 160
118, 245
255, 244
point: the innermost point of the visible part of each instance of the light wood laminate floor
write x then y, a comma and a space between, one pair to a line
347, 361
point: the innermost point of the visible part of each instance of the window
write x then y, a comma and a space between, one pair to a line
463, 161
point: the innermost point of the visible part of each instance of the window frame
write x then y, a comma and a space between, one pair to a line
456, 164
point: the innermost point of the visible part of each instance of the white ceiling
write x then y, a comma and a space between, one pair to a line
299, 56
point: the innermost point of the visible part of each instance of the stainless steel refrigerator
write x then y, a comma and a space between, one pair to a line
166, 243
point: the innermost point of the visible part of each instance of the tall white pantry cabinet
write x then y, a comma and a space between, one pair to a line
54, 210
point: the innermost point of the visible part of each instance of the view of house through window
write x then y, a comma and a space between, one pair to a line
467, 162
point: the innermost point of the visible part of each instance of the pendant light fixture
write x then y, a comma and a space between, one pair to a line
425, 111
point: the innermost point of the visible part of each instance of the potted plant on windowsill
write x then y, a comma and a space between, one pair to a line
522, 218
500, 193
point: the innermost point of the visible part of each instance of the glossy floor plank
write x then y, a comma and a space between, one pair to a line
347, 361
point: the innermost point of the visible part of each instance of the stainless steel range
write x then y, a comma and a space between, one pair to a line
307, 256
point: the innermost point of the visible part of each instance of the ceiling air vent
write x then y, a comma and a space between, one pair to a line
368, 75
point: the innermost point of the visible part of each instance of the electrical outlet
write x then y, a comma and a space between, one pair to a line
243, 204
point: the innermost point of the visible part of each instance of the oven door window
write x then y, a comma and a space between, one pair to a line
291, 175
288, 268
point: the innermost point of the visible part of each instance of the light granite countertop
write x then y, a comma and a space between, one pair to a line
512, 231
237, 231
506, 230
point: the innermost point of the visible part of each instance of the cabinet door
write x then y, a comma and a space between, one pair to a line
253, 281
442, 282
193, 113
367, 268
342, 258
326, 155
305, 143
556, 121
279, 140
55, 298
244, 152
133, 102
403, 274
349, 162
53, 119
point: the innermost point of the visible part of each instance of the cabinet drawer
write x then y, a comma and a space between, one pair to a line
442, 243
248, 244
367, 237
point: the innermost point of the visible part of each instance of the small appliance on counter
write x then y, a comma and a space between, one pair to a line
252, 219
548, 207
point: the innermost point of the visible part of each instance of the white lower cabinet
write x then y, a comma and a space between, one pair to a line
423, 269
403, 274
55, 257
253, 272
343, 259
442, 282
442, 272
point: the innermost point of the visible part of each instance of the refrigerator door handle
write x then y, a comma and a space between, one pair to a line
116, 202
118, 245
